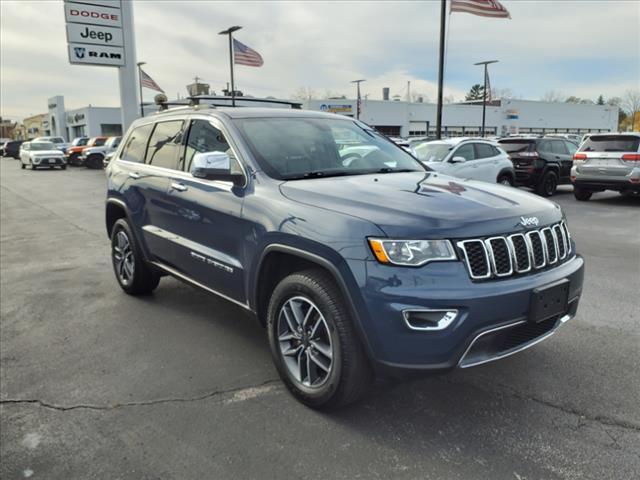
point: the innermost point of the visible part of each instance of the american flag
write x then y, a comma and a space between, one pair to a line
148, 82
243, 55
484, 8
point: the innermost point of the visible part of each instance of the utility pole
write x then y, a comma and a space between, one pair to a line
229, 31
443, 16
139, 64
484, 91
359, 99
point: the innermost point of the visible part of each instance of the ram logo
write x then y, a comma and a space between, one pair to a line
79, 51
529, 221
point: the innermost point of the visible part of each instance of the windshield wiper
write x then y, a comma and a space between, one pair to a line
394, 170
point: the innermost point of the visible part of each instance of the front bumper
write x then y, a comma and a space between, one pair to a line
481, 308
48, 162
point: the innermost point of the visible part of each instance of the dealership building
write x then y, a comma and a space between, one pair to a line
503, 117
87, 121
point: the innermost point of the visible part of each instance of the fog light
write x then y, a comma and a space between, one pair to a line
429, 320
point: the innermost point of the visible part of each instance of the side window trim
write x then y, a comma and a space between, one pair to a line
182, 143
125, 140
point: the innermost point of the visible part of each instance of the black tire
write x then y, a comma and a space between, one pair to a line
506, 179
548, 184
74, 159
94, 162
63, 167
349, 372
581, 194
139, 280
22, 166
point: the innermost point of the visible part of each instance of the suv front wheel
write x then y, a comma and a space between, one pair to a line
132, 272
581, 194
548, 184
314, 343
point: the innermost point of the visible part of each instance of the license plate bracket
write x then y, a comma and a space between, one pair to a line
549, 301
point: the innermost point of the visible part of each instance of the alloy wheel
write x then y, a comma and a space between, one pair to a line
123, 258
304, 342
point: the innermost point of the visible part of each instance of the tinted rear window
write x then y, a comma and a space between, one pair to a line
516, 146
611, 143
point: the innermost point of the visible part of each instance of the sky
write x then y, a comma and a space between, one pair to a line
583, 48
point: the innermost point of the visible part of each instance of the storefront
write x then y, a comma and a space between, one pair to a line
81, 122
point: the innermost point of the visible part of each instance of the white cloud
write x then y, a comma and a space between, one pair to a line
548, 45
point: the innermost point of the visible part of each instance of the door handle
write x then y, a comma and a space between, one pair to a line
135, 175
178, 186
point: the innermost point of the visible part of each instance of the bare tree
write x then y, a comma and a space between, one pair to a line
553, 96
631, 103
415, 96
304, 93
506, 93
449, 99
333, 94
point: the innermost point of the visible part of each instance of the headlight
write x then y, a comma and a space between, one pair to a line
411, 253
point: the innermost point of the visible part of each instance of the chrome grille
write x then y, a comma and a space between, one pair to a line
503, 256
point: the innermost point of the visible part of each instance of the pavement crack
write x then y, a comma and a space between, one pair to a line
159, 401
600, 419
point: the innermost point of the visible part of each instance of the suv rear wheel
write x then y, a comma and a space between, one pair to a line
582, 194
314, 343
133, 274
548, 184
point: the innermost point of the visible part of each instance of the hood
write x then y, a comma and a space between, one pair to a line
426, 205
100, 149
46, 153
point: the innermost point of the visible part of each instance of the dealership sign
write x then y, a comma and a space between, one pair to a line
336, 108
94, 32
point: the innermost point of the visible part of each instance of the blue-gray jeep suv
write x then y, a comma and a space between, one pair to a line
357, 259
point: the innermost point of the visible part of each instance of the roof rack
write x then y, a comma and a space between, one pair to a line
195, 100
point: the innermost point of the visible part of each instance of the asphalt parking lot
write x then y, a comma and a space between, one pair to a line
180, 384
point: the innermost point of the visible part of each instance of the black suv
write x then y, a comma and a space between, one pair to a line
541, 163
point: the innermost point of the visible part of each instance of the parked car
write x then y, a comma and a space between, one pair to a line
541, 163
476, 159
405, 144
573, 137
107, 159
381, 267
92, 157
41, 154
75, 153
608, 161
75, 149
59, 142
12, 149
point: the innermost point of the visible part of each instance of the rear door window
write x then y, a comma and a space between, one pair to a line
136, 145
484, 151
559, 148
611, 143
165, 145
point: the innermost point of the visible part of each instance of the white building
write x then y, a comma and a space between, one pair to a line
502, 117
81, 122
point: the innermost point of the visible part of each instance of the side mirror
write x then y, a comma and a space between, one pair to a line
458, 160
214, 166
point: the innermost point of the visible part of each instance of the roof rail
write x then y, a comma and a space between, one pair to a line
195, 100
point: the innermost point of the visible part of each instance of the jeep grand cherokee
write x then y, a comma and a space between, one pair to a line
360, 266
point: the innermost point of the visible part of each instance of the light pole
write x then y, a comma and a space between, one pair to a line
358, 98
484, 90
229, 31
139, 64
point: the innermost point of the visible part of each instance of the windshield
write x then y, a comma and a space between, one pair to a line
43, 146
432, 152
113, 142
79, 142
611, 143
516, 146
98, 142
294, 148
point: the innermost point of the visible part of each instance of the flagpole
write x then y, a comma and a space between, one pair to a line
229, 31
139, 64
443, 16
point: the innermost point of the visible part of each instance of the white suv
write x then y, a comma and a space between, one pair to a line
473, 158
